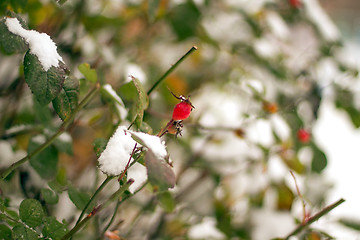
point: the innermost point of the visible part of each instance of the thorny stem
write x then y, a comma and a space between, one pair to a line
171, 69
314, 218
97, 209
60, 131
106, 181
128, 163
300, 196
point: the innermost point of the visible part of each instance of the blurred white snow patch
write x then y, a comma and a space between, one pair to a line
217, 108
250, 85
65, 208
151, 142
260, 131
317, 14
268, 224
115, 157
65, 137
40, 44
277, 25
205, 230
87, 45
349, 54
39, 139
326, 72
265, 48
119, 104
276, 168
7, 154
139, 174
281, 128
252, 7
136, 71
227, 27
108, 54
305, 155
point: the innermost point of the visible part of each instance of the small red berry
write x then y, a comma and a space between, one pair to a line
182, 111
303, 135
295, 3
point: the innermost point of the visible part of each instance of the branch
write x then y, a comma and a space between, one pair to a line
97, 209
171, 69
314, 218
60, 131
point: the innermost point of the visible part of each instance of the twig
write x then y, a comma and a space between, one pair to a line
173, 67
60, 131
97, 209
300, 196
93, 197
314, 218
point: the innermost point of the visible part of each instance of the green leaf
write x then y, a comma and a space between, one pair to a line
135, 92
9, 42
42, 113
5, 232
319, 161
160, 174
59, 184
53, 229
285, 197
166, 201
45, 85
20, 232
67, 100
99, 145
49, 196
31, 212
184, 20
350, 223
80, 199
45, 162
142, 101
89, 73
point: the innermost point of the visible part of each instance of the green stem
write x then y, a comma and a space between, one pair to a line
100, 188
60, 131
173, 67
97, 209
314, 218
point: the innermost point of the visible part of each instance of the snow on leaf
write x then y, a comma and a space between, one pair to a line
114, 158
40, 44
151, 142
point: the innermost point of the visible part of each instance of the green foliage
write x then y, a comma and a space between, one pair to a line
68, 98
79, 198
49, 196
9, 42
160, 174
88, 72
31, 212
22, 232
53, 229
45, 85
46, 162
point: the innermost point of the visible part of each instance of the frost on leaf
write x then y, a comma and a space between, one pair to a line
114, 158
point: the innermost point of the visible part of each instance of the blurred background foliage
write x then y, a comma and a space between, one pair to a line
257, 81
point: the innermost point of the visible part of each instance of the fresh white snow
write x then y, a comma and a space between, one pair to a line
115, 157
40, 44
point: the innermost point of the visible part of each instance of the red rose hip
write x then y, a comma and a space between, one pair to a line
182, 111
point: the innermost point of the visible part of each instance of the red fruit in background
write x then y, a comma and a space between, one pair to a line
303, 135
295, 3
182, 110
